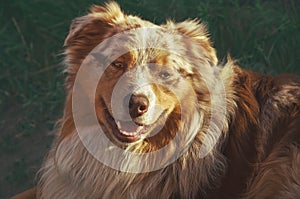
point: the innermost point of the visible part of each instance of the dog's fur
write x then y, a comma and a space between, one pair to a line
256, 156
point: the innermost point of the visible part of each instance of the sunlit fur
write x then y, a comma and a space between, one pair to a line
256, 156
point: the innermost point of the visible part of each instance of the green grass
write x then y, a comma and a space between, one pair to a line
261, 35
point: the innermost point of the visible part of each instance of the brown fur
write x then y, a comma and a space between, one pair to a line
256, 156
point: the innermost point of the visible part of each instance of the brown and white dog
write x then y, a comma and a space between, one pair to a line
237, 132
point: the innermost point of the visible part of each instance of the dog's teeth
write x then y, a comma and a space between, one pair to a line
139, 128
127, 133
118, 124
131, 133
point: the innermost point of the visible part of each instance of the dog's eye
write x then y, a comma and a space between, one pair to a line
164, 75
118, 65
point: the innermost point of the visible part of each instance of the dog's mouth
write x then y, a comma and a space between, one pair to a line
130, 131
127, 131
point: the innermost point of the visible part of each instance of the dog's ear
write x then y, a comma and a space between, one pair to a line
87, 32
96, 23
198, 33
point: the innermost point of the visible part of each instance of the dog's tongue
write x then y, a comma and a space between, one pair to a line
129, 128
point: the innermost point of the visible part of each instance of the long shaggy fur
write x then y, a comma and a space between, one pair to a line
256, 156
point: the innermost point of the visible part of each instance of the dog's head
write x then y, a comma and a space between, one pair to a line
152, 78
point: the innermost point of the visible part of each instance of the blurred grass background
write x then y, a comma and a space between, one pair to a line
261, 35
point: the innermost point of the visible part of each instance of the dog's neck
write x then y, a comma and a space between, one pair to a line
239, 148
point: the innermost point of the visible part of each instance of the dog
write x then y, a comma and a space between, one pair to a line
178, 124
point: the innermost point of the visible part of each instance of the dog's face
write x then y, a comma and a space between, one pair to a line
136, 98
145, 93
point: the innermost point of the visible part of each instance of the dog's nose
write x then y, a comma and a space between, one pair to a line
138, 105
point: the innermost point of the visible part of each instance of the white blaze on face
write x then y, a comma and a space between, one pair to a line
135, 82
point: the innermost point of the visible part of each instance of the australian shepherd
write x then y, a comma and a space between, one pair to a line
150, 113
